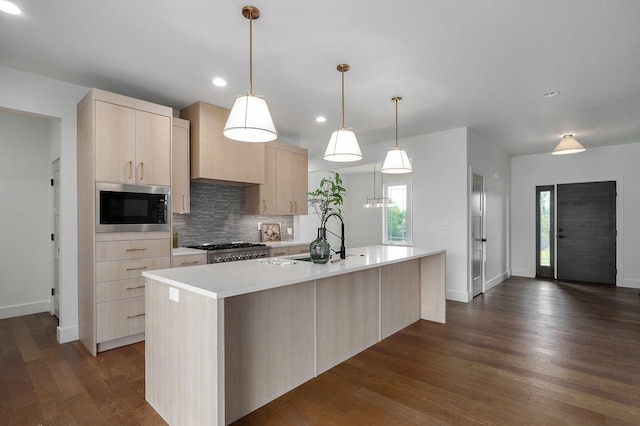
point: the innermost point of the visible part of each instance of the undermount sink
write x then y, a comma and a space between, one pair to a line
308, 258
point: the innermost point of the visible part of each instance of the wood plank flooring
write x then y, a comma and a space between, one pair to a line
527, 352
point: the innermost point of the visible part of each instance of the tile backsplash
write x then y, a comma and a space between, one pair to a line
217, 216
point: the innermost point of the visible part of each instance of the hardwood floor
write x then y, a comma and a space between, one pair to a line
526, 352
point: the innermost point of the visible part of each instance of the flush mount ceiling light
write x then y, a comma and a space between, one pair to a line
10, 8
343, 145
397, 160
250, 119
568, 145
219, 82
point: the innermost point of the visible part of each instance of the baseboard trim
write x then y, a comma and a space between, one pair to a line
495, 281
457, 296
25, 309
67, 334
526, 273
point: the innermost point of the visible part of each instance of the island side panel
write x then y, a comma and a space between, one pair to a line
433, 288
399, 296
269, 346
184, 368
348, 311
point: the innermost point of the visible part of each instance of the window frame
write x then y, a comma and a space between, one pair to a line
409, 214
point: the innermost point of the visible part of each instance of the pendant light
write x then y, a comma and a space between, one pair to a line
250, 119
397, 160
568, 145
343, 145
377, 202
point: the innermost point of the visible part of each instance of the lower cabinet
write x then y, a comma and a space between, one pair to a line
188, 260
119, 286
120, 318
288, 250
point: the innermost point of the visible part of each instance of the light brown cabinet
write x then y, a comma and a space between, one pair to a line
132, 146
180, 192
288, 250
286, 178
188, 260
216, 158
120, 140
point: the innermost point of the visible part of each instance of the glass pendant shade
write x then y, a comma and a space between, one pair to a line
568, 145
343, 147
396, 162
250, 121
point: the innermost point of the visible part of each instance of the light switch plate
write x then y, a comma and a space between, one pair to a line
174, 294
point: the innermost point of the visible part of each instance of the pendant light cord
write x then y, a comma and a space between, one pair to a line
342, 72
250, 55
395, 100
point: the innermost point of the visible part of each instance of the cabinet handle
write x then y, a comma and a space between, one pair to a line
184, 202
195, 262
136, 249
135, 288
130, 169
141, 170
290, 206
264, 206
295, 207
136, 269
134, 316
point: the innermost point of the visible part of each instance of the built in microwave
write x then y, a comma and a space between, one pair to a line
131, 208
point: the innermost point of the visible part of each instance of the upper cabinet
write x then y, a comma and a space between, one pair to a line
216, 158
286, 179
180, 192
132, 146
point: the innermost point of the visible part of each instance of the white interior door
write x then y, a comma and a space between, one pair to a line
477, 235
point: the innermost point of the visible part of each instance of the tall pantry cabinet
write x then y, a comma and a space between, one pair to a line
120, 140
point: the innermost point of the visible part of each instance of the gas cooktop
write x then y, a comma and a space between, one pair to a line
226, 246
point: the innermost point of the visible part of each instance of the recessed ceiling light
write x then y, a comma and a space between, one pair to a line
8, 7
220, 82
320, 119
550, 94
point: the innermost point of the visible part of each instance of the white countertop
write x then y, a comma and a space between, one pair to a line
286, 243
184, 251
223, 280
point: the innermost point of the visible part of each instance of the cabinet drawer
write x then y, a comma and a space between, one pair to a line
299, 249
120, 318
280, 251
125, 269
188, 260
122, 289
132, 249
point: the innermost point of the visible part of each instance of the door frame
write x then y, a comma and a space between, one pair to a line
619, 217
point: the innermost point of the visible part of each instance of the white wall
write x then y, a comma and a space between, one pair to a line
364, 225
490, 161
619, 163
25, 251
30, 93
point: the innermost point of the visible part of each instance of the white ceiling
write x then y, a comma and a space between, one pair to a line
481, 64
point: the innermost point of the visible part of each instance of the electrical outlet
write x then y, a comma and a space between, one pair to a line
174, 294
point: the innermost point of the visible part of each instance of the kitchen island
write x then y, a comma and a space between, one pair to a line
223, 340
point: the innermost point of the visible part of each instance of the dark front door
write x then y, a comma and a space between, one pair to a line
586, 224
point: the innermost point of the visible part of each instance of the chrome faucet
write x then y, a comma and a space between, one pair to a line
343, 250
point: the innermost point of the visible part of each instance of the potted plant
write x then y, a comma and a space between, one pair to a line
325, 200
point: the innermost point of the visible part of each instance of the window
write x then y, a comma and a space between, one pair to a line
545, 231
397, 214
